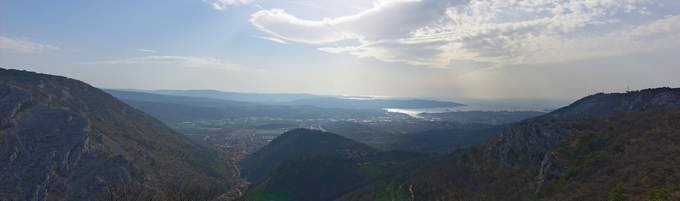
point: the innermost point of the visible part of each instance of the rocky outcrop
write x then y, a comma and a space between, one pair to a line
547, 171
527, 142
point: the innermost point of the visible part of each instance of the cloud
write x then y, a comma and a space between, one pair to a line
223, 4
438, 33
276, 40
146, 51
23, 46
386, 20
203, 62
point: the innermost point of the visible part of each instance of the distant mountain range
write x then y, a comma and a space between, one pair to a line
61, 139
266, 98
335, 102
172, 108
338, 102
613, 147
485, 117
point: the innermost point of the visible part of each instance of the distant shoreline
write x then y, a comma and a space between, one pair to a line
416, 112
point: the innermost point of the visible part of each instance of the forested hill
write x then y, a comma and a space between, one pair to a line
614, 147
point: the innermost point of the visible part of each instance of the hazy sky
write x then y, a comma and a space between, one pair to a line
556, 49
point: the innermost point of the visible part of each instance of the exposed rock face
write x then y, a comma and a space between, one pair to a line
546, 172
526, 142
61, 139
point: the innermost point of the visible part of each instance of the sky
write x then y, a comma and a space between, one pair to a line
454, 49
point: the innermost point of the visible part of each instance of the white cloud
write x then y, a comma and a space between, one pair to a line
276, 40
23, 46
282, 25
438, 33
203, 62
386, 20
223, 4
146, 51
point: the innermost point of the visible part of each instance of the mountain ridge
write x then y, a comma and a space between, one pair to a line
301, 99
594, 106
544, 158
62, 139
602, 104
173, 108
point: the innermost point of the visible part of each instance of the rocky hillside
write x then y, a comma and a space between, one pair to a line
530, 140
611, 147
61, 139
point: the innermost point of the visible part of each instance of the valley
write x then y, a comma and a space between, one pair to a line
223, 120
580, 152
249, 151
340, 100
